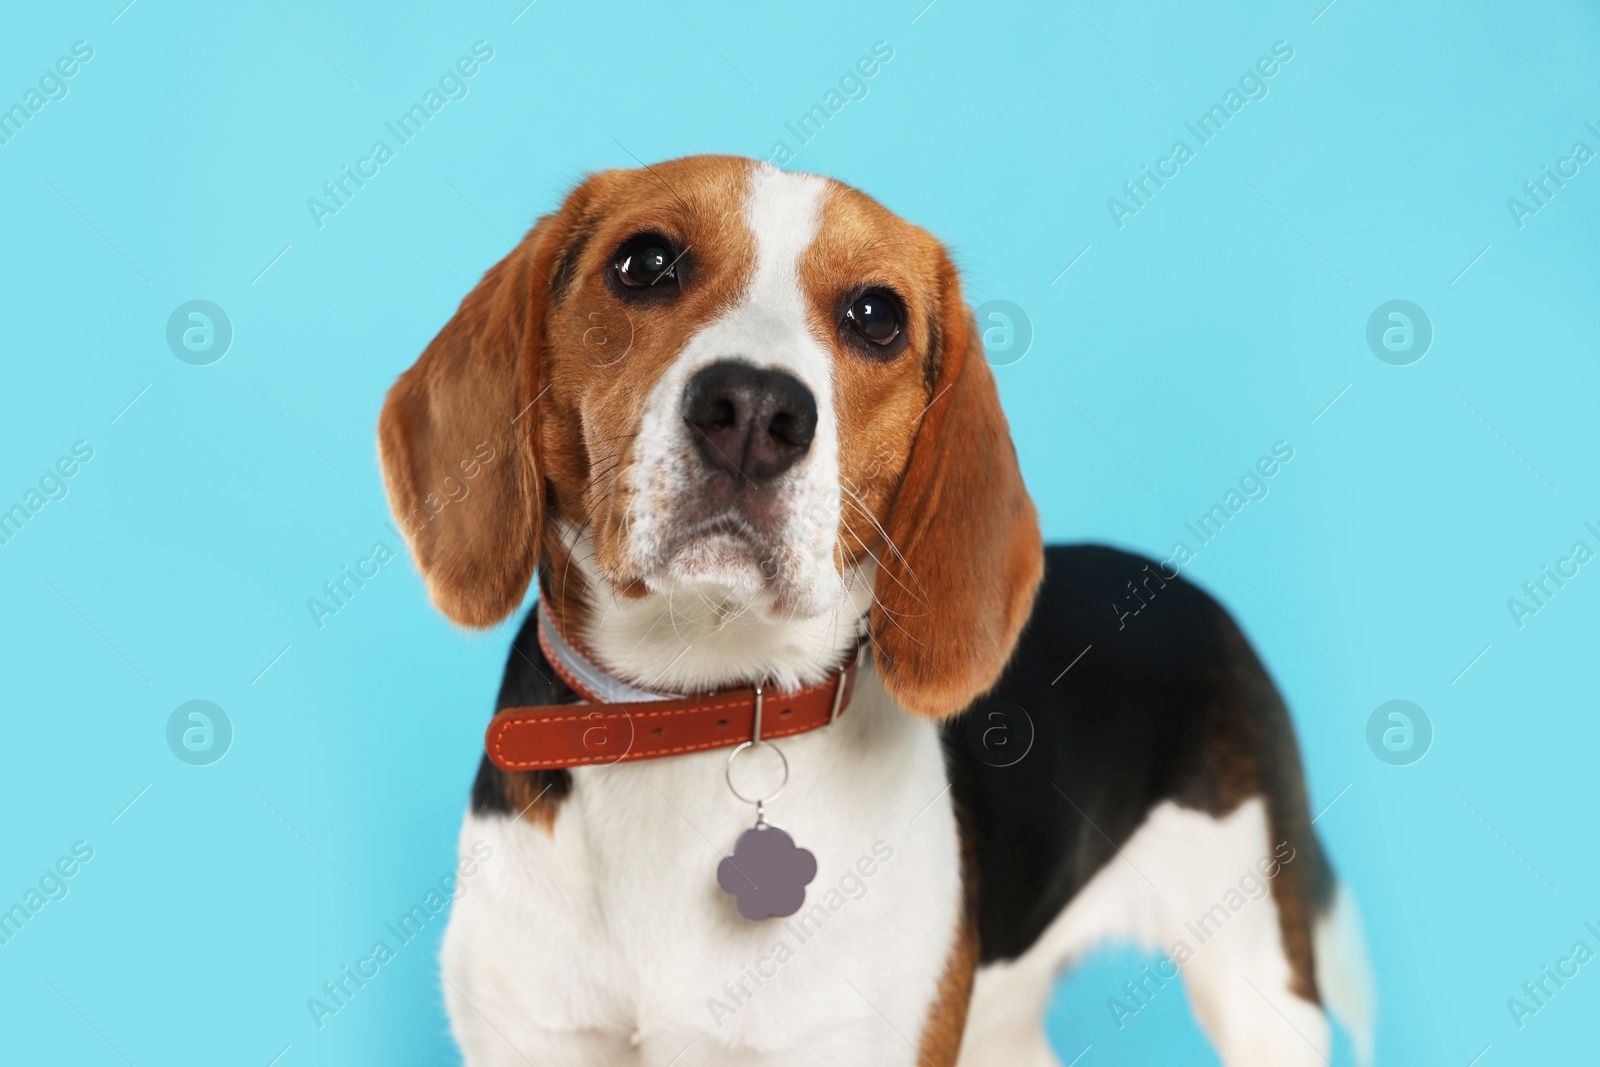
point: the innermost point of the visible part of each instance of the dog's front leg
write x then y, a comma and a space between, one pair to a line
522, 971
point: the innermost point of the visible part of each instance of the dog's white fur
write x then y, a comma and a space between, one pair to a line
606, 940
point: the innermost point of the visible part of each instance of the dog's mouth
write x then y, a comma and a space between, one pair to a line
728, 524
726, 550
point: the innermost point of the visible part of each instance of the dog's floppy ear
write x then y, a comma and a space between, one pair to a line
958, 581
457, 440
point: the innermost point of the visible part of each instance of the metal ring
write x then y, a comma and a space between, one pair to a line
727, 773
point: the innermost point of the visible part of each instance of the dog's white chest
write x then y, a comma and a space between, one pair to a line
608, 939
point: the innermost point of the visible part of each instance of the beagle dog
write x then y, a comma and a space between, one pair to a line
739, 423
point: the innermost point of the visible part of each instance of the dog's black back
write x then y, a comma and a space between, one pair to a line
1128, 688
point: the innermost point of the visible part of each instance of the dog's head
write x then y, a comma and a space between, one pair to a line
710, 390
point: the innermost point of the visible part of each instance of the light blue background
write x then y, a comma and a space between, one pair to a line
1225, 316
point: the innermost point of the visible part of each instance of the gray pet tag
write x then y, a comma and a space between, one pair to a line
767, 873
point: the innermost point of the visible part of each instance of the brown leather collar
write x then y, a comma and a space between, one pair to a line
654, 725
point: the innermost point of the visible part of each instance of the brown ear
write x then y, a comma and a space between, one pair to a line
958, 583
456, 440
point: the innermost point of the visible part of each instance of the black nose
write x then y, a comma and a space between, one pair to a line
750, 422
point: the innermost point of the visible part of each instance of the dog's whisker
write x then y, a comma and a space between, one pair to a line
887, 614
917, 595
860, 505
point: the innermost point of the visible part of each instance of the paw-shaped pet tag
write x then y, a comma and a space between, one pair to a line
767, 873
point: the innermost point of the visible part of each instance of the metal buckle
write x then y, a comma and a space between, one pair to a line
838, 689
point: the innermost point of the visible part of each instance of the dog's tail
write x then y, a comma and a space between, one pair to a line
1344, 976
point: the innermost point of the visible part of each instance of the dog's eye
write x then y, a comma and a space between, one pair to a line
875, 316
647, 261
